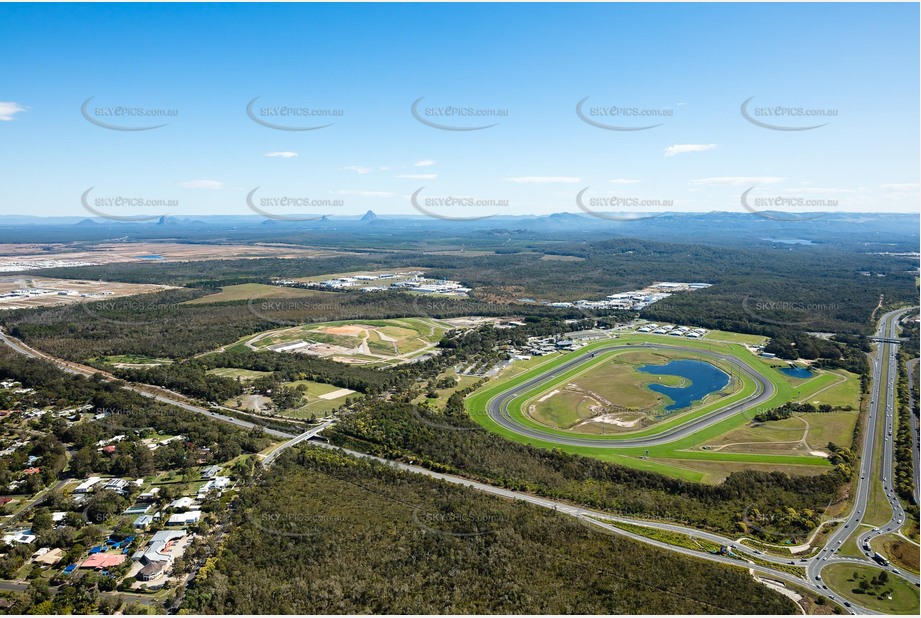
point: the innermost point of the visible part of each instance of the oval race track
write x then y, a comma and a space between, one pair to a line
497, 407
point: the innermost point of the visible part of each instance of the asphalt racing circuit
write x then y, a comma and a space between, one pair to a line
497, 408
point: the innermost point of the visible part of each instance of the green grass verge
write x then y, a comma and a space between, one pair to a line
845, 579
677, 450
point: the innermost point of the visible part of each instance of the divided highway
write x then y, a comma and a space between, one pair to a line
883, 391
882, 401
603, 520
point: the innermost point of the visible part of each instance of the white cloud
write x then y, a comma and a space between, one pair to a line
738, 181
285, 154
901, 186
367, 193
624, 181
202, 184
424, 163
356, 168
418, 176
384, 168
822, 190
545, 180
8, 109
677, 149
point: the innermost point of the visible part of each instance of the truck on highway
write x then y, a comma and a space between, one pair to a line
880, 559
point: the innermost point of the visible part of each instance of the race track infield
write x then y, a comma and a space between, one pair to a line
670, 446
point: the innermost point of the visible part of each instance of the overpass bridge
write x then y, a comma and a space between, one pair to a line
895, 340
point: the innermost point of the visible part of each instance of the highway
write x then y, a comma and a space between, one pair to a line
598, 519
310, 433
497, 407
882, 402
883, 392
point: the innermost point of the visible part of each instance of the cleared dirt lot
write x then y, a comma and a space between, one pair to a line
17, 292
15, 258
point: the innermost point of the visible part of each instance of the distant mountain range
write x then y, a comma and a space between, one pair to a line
721, 228
612, 218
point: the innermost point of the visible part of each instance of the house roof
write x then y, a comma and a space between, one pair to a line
188, 516
153, 568
51, 557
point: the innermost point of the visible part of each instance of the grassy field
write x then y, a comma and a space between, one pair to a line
399, 277
878, 510
439, 402
682, 458
243, 374
614, 388
135, 359
516, 405
803, 433
903, 554
722, 335
315, 404
806, 432
845, 579
379, 342
562, 408
254, 291
845, 392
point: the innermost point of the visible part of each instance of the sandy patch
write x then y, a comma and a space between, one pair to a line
612, 419
548, 395
819, 454
384, 337
349, 330
342, 392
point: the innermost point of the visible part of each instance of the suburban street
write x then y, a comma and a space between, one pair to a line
882, 399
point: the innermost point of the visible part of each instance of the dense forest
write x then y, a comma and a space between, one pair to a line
906, 406
759, 289
393, 430
326, 533
160, 325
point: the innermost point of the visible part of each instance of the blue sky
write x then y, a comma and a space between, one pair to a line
532, 63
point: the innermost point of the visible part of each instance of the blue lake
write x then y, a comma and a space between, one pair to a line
152, 256
704, 379
796, 372
790, 241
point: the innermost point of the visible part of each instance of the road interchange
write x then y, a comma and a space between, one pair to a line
498, 409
